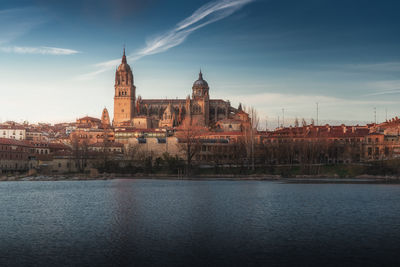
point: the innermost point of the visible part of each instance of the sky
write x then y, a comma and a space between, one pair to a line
58, 58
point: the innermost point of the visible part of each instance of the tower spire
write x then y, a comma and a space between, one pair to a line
124, 56
200, 75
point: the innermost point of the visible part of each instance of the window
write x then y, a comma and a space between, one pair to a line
161, 140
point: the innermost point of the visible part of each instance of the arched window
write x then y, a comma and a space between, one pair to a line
196, 109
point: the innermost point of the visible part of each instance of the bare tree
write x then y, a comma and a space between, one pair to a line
80, 152
133, 152
105, 152
250, 133
190, 143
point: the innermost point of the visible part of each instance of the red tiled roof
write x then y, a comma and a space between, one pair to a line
11, 127
139, 130
320, 132
58, 146
90, 119
7, 141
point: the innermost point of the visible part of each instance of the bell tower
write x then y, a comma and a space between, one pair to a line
200, 111
124, 98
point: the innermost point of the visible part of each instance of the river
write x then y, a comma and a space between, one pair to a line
128, 222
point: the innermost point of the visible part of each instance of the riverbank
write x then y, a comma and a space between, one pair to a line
375, 179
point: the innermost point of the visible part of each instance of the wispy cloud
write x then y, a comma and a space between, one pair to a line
385, 92
377, 67
43, 50
206, 14
381, 88
17, 22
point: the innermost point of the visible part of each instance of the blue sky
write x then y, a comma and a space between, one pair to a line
58, 58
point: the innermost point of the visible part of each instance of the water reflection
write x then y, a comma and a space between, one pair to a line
155, 222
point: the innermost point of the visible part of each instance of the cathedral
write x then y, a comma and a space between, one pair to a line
197, 109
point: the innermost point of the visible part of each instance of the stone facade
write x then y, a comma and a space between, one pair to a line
197, 109
105, 118
14, 155
13, 132
125, 90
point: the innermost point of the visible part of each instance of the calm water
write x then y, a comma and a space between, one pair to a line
203, 223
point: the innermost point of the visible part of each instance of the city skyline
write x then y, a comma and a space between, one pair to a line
266, 54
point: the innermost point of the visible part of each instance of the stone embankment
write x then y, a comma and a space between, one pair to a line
296, 179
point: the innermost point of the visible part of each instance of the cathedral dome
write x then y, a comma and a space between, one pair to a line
124, 67
200, 82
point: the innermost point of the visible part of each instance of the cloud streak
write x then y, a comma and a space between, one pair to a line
385, 92
378, 67
42, 50
17, 22
381, 88
206, 14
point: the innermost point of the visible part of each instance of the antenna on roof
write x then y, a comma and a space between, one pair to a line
317, 113
375, 114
